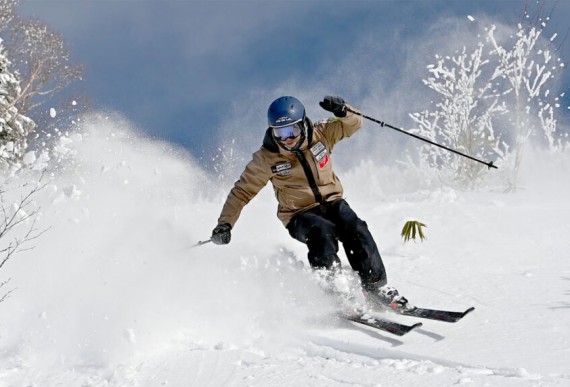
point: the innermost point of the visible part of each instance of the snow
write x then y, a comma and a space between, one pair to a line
29, 157
113, 295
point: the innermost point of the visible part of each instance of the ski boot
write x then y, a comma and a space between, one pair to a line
387, 296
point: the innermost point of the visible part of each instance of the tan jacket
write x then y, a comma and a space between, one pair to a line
295, 190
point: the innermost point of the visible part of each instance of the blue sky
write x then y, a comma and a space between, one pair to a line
189, 71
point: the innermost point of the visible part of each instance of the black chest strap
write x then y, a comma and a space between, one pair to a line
310, 176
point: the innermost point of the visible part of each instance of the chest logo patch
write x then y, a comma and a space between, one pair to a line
283, 169
321, 154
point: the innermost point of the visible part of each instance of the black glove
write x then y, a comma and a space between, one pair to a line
334, 104
222, 235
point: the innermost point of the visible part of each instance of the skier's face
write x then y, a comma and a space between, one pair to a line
288, 135
291, 142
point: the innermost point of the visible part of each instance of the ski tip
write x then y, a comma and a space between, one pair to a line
468, 311
408, 329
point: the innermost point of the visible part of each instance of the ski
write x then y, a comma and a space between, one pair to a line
433, 314
383, 324
400, 305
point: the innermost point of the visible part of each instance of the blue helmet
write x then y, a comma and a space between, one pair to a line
285, 111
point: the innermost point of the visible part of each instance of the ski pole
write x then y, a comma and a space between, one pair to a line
382, 123
201, 243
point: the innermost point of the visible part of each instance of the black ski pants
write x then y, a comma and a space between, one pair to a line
321, 228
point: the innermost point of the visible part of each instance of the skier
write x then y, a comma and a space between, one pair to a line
296, 158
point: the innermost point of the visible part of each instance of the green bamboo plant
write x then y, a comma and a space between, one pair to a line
413, 229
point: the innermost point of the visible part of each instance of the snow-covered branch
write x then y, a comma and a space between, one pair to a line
18, 224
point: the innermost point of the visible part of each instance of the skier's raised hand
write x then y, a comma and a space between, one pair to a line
221, 235
334, 104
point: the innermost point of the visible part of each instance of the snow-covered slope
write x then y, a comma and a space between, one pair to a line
112, 295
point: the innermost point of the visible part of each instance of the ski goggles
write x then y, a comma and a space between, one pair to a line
286, 132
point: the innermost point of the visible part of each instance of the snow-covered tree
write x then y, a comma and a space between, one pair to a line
43, 61
529, 66
7, 12
14, 127
479, 88
463, 117
48, 77
18, 222
43, 72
